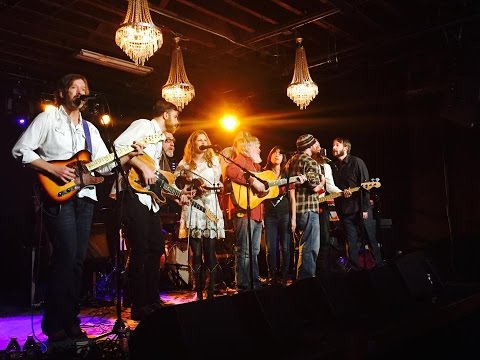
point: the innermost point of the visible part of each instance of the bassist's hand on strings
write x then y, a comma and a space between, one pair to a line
347, 193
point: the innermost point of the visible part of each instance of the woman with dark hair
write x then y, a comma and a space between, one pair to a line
277, 220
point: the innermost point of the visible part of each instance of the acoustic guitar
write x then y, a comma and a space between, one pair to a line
271, 184
61, 192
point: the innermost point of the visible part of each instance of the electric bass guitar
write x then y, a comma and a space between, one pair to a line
61, 192
272, 183
365, 185
163, 184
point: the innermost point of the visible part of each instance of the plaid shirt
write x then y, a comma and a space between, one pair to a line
306, 199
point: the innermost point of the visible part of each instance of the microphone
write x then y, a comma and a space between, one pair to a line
326, 159
78, 100
205, 147
323, 154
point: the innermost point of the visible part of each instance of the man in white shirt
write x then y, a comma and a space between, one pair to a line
53, 145
140, 215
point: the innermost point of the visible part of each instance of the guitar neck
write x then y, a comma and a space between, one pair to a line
283, 181
95, 164
177, 193
150, 139
338, 194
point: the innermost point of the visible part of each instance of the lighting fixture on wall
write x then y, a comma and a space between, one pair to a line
112, 62
302, 90
138, 36
178, 89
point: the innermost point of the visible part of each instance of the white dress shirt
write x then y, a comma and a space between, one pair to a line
138, 130
53, 136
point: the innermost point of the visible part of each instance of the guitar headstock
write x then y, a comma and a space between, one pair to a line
153, 139
371, 184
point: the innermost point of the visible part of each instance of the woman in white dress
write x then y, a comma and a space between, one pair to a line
201, 221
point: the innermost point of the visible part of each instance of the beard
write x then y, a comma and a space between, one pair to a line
255, 158
170, 126
340, 153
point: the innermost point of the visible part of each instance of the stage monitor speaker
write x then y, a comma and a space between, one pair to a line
308, 297
235, 326
416, 275
211, 328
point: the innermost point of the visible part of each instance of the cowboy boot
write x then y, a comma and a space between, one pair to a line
211, 282
198, 282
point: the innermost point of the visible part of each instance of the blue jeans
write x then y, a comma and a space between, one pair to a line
278, 237
68, 227
308, 225
242, 252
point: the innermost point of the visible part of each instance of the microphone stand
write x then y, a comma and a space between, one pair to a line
247, 174
293, 242
119, 328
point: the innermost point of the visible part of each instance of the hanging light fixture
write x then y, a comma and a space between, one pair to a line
138, 36
302, 90
178, 89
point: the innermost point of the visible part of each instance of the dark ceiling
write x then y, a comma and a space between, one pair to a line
372, 60
235, 51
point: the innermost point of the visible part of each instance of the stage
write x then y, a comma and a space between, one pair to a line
396, 311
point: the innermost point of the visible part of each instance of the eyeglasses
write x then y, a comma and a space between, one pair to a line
170, 140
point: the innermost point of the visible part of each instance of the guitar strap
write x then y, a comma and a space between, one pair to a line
86, 130
88, 138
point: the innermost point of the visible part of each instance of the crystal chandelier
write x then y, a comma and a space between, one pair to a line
138, 36
302, 90
178, 89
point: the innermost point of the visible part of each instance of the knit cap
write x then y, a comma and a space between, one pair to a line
305, 141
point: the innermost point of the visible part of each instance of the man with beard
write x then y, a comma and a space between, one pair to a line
355, 212
52, 145
166, 163
305, 205
140, 215
247, 149
168, 152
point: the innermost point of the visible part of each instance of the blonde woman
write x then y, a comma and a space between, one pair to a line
201, 221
